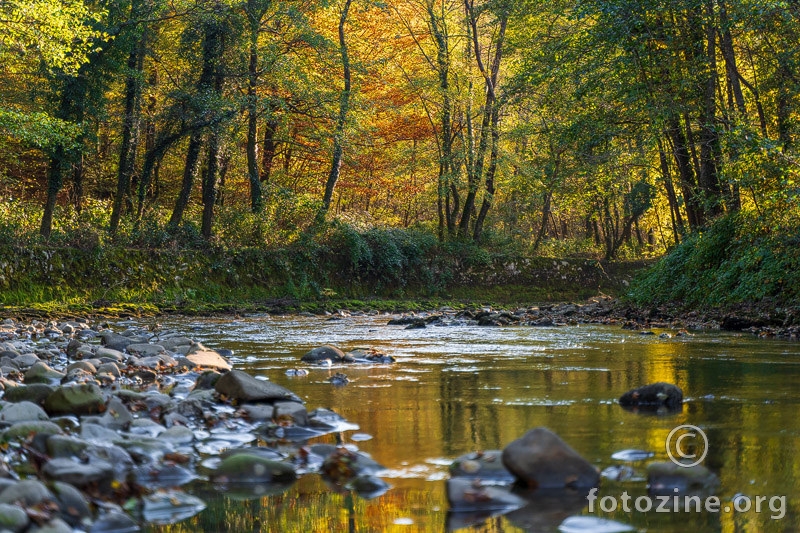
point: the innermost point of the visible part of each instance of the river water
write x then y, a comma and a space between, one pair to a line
459, 389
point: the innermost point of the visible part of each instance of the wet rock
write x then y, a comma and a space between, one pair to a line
487, 465
417, 323
86, 366
54, 525
169, 507
109, 368
541, 459
202, 356
666, 477
473, 495
77, 473
178, 435
29, 492
290, 412
368, 487
42, 373
13, 518
207, 380
65, 446
339, 379
258, 412
71, 503
252, 468
321, 353
26, 428
114, 522
653, 397
342, 465
26, 360
116, 416
81, 399
737, 323
108, 353
173, 342
241, 386
17, 412
113, 341
163, 475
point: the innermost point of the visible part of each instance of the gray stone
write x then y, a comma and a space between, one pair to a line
29, 492
72, 347
84, 399
71, 503
109, 368
35, 392
65, 446
204, 357
241, 386
207, 380
173, 342
83, 365
98, 434
145, 350
13, 518
541, 459
292, 410
27, 428
42, 373
109, 353
178, 435
55, 525
114, 341
258, 412
17, 412
26, 360
78, 473
114, 522
116, 416
321, 353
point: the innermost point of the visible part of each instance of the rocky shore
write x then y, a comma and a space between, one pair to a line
100, 426
666, 320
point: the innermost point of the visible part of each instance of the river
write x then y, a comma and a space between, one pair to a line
459, 389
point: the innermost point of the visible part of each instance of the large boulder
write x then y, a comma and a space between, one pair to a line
653, 397
541, 459
321, 353
241, 386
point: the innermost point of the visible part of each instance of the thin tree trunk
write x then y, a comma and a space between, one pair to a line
130, 132
344, 107
189, 172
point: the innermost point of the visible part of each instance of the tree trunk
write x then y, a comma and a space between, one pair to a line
344, 107
130, 132
209, 185
709, 138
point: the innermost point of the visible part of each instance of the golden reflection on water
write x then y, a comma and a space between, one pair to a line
485, 388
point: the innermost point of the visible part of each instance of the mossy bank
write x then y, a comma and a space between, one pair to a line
382, 271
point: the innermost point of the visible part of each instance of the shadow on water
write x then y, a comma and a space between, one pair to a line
459, 389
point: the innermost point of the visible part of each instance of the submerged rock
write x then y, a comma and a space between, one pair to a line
252, 468
473, 495
654, 396
486, 465
669, 478
321, 353
541, 459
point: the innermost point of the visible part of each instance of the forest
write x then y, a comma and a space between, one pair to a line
606, 129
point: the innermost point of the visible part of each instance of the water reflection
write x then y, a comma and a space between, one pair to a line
459, 389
